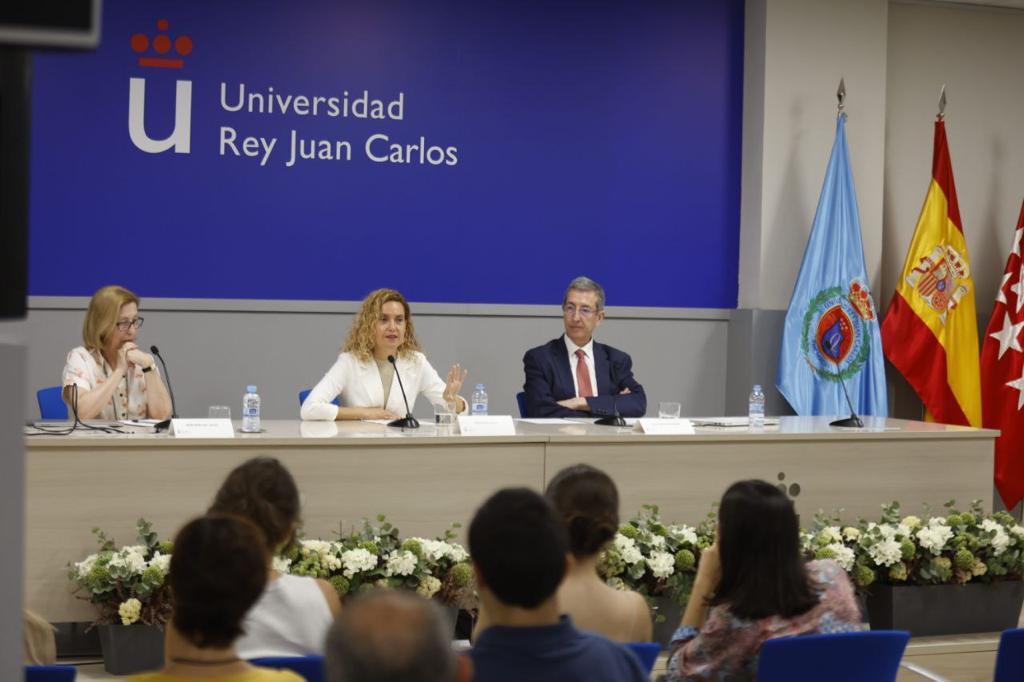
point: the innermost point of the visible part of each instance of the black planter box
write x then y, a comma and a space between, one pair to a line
945, 609
131, 649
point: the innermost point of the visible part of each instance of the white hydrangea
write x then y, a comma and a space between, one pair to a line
843, 555
1001, 540
934, 538
686, 534
85, 565
904, 531
662, 564
321, 547
937, 521
831, 534
658, 541
628, 550
851, 534
429, 586
281, 565
401, 562
130, 558
162, 562
357, 561
129, 610
885, 552
1018, 531
911, 522
435, 550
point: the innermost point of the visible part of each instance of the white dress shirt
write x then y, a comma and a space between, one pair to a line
588, 357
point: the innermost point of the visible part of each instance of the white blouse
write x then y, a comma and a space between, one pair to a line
359, 385
291, 618
88, 370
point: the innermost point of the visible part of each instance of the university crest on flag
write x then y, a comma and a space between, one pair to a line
835, 339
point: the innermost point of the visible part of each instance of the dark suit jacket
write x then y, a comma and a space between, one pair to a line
549, 379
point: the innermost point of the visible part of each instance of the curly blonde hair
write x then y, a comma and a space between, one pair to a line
362, 335
104, 308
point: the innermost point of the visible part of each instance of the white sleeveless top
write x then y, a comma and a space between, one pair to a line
291, 618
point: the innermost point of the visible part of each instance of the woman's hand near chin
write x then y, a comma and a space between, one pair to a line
136, 356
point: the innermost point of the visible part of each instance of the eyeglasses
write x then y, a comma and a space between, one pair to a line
583, 310
123, 325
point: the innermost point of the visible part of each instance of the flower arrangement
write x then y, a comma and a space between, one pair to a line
127, 584
654, 558
375, 556
956, 548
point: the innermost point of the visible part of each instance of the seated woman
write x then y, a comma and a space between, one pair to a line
109, 377
216, 576
588, 501
757, 586
365, 379
294, 613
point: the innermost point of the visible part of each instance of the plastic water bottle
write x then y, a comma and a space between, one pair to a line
755, 408
478, 402
251, 410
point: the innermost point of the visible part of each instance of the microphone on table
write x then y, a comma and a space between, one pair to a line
167, 377
409, 422
853, 421
615, 419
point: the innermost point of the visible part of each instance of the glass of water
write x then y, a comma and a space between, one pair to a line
444, 415
220, 412
669, 410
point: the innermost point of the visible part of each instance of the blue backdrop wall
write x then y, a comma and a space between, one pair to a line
468, 152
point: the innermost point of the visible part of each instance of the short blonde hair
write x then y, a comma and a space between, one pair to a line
361, 337
104, 307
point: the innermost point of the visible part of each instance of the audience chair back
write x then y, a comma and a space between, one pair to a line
847, 657
304, 393
51, 406
521, 402
647, 652
49, 673
309, 667
1010, 660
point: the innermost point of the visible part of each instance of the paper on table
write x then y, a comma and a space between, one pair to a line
383, 422
548, 420
731, 422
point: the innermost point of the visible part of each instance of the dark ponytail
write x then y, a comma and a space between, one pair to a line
264, 492
588, 502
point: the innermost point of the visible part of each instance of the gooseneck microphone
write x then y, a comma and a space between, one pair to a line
615, 419
853, 421
167, 377
409, 422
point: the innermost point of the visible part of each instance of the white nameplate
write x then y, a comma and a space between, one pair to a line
490, 425
674, 427
202, 428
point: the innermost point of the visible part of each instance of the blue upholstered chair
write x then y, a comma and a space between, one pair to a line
647, 652
304, 393
49, 673
845, 657
521, 402
309, 667
1010, 660
51, 406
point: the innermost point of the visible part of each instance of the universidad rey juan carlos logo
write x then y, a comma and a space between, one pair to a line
167, 53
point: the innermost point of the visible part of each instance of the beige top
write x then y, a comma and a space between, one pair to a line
387, 376
88, 369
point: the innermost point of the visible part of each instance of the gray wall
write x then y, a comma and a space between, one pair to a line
214, 348
12, 501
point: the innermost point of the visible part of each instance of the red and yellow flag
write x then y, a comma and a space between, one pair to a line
930, 332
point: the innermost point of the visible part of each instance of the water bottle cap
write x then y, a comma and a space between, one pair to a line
250, 389
757, 387
479, 387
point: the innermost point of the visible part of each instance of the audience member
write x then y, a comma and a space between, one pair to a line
757, 586
520, 551
588, 502
294, 613
217, 574
393, 636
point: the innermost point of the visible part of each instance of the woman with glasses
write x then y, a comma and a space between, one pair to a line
109, 377
364, 376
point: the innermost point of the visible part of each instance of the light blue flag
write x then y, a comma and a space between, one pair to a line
831, 328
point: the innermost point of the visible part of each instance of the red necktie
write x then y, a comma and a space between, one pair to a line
582, 375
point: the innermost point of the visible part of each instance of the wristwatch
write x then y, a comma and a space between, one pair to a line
147, 369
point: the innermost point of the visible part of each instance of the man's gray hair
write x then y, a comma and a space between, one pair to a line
390, 636
583, 283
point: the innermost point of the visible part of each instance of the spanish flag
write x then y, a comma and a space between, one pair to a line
930, 332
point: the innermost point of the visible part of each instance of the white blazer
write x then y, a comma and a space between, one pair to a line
358, 383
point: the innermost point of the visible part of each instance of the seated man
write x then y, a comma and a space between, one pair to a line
574, 376
520, 551
393, 635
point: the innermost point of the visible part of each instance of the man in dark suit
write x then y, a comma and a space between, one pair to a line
573, 375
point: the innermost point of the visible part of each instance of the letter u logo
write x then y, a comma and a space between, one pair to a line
182, 133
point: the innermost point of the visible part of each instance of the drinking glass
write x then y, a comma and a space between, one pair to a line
444, 415
669, 410
220, 412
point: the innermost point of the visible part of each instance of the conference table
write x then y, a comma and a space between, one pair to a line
424, 480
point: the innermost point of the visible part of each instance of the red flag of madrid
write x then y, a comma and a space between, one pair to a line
1002, 374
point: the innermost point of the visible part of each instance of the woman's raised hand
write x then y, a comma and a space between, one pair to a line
453, 383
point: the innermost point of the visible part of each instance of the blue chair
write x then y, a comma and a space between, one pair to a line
309, 667
647, 652
521, 401
304, 393
51, 405
50, 673
845, 657
1010, 659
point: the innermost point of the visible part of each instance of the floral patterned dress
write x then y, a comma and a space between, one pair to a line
726, 648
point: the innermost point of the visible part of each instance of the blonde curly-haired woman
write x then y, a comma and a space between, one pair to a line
365, 379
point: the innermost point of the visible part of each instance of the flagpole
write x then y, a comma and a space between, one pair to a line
942, 104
